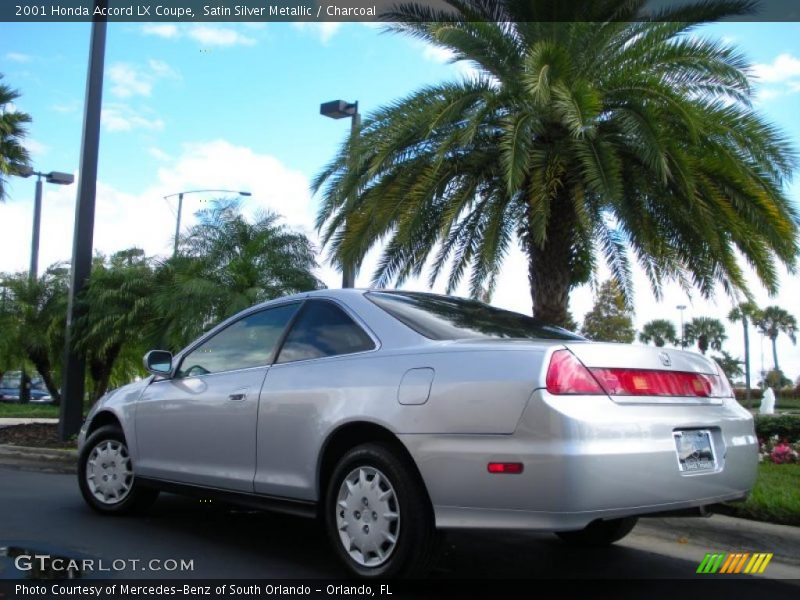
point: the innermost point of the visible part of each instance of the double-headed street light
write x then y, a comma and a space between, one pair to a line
56, 177
180, 209
339, 109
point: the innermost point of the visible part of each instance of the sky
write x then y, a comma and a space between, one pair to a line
236, 106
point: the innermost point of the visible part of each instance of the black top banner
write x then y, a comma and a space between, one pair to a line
177, 11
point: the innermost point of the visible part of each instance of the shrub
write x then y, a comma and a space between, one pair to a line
785, 427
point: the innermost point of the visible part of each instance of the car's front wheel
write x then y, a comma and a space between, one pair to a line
378, 515
599, 533
105, 474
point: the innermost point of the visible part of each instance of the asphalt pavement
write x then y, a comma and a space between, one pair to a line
44, 513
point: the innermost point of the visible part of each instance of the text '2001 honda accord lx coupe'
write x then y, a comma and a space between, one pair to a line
395, 414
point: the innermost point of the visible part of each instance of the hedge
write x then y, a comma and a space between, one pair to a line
756, 393
786, 427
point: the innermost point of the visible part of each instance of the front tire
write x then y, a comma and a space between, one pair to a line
378, 515
105, 475
599, 533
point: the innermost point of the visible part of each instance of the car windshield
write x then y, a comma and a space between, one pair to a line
448, 318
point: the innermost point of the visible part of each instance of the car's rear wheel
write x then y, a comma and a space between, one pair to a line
600, 533
377, 514
106, 477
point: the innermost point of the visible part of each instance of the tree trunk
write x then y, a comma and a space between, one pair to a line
44, 369
775, 352
100, 372
549, 269
746, 361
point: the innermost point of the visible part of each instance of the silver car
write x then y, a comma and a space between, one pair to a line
394, 415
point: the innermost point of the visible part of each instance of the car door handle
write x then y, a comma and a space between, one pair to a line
238, 396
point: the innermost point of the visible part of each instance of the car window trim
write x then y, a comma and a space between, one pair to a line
214, 332
376, 344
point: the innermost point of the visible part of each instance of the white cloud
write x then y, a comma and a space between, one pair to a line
67, 107
441, 55
161, 69
128, 80
213, 35
783, 68
323, 30
163, 30
122, 118
36, 148
159, 154
18, 57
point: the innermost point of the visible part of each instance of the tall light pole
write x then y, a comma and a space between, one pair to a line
682, 307
72, 388
338, 109
56, 177
180, 209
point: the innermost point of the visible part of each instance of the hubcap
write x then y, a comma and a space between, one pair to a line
368, 516
108, 472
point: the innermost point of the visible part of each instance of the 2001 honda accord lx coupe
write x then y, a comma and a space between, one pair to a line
393, 414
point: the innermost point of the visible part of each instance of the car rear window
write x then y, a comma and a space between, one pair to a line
448, 318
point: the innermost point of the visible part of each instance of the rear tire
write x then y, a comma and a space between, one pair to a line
599, 533
106, 478
378, 516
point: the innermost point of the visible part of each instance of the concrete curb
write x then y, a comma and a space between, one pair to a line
48, 460
724, 533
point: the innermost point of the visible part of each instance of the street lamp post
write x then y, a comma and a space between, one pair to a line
682, 307
56, 177
180, 209
338, 109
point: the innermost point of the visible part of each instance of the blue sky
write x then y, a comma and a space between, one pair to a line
237, 106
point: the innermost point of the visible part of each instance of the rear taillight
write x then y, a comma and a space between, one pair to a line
568, 375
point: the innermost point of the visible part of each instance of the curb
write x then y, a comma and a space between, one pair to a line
47, 460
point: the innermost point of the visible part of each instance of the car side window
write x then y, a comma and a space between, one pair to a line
249, 342
323, 329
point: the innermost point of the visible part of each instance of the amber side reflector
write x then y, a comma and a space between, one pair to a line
513, 468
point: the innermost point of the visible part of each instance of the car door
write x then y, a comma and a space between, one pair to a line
199, 426
317, 368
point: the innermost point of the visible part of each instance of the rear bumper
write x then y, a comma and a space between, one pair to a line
585, 458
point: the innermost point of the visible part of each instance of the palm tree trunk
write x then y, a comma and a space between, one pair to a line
44, 369
746, 361
549, 270
775, 352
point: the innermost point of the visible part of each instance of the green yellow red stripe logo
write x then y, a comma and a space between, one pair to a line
735, 562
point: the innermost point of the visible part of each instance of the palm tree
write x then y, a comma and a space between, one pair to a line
33, 320
606, 133
745, 312
660, 332
226, 264
13, 155
773, 321
707, 332
118, 308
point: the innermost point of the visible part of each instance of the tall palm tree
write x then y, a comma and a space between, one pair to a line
660, 332
746, 312
609, 133
13, 155
707, 332
773, 321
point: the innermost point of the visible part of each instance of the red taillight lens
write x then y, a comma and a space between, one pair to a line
511, 468
637, 382
567, 375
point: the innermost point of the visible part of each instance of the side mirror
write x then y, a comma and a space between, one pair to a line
158, 362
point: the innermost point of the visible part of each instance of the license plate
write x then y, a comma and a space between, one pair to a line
695, 451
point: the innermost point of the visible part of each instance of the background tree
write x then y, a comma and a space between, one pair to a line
581, 140
746, 312
13, 155
610, 320
33, 321
226, 264
773, 321
707, 332
119, 307
732, 367
659, 332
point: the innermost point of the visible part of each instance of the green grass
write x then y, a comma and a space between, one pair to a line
27, 411
775, 498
